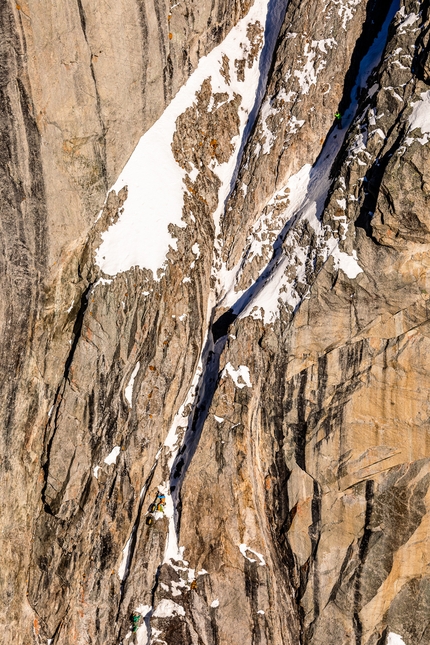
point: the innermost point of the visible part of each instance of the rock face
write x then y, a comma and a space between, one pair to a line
265, 383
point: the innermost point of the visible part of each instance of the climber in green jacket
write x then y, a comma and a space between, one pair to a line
338, 119
135, 620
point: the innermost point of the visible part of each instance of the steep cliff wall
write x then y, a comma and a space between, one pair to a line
243, 330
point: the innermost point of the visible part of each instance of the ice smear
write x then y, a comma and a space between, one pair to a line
167, 608
96, 471
244, 548
215, 603
129, 389
141, 237
113, 456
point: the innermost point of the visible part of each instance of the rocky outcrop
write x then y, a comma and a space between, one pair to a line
269, 379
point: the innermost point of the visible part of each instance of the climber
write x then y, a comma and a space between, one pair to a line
152, 508
160, 508
149, 520
135, 620
162, 498
338, 119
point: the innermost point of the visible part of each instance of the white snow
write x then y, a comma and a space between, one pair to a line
102, 281
348, 263
260, 611
113, 456
122, 566
129, 389
167, 608
346, 10
395, 639
215, 603
96, 471
155, 183
142, 635
409, 20
420, 116
244, 548
307, 76
218, 419
241, 373
287, 267
322, 44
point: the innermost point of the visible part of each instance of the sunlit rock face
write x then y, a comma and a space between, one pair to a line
215, 343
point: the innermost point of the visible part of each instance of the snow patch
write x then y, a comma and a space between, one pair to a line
348, 263
167, 608
102, 281
244, 548
420, 116
96, 471
215, 603
409, 20
395, 639
241, 373
113, 456
141, 235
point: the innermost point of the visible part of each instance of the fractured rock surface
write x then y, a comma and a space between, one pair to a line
269, 381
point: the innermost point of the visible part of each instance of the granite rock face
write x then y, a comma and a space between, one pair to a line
265, 385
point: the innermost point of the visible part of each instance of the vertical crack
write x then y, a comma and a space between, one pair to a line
133, 534
362, 554
77, 330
